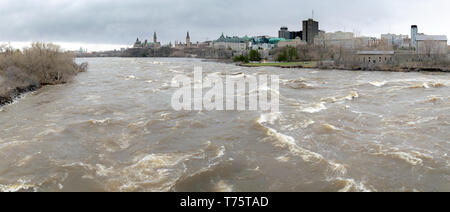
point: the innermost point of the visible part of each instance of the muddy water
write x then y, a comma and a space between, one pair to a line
113, 129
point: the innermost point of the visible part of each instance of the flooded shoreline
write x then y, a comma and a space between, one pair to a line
113, 129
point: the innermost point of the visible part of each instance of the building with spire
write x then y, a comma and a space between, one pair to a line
188, 44
137, 44
146, 44
188, 40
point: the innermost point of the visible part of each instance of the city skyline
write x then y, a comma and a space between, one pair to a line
116, 24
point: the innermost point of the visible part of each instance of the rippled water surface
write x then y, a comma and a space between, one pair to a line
113, 129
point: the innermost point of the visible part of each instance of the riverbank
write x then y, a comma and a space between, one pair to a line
34, 67
318, 65
312, 64
389, 68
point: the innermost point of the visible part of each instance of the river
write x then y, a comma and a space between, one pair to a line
113, 129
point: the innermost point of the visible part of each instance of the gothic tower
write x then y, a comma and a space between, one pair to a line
188, 40
155, 39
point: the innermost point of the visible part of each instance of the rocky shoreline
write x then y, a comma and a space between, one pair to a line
12, 94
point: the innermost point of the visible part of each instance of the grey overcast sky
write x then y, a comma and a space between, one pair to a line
119, 22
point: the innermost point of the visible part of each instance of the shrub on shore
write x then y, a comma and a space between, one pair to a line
40, 64
254, 55
289, 54
241, 58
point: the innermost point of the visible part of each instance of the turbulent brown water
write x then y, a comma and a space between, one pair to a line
113, 129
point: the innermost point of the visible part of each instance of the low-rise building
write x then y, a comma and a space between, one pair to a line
431, 44
375, 57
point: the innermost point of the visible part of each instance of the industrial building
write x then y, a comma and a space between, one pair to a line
431, 44
428, 44
414, 32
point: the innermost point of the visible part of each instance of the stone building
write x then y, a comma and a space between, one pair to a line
137, 44
232, 43
375, 57
188, 40
146, 44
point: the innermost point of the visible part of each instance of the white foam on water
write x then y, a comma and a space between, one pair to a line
153, 172
100, 122
158, 172
289, 142
378, 83
222, 186
282, 159
20, 186
269, 117
337, 99
315, 108
350, 185
414, 158
307, 123
337, 170
131, 77
411, 159
330, 127
421, 120
352, 95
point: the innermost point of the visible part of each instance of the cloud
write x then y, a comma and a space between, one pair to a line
120, 22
